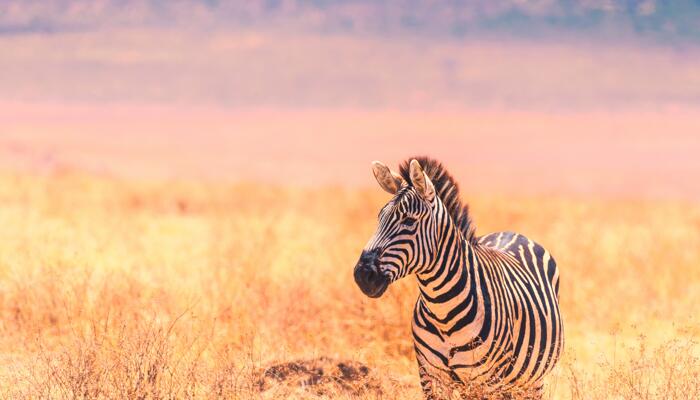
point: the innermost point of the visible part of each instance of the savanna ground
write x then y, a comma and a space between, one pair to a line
145, 290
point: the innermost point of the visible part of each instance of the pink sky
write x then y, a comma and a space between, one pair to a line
250, 68
571, 117
622, 153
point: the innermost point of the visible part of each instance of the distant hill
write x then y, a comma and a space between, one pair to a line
659, 21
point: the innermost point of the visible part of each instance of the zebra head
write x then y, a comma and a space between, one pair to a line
406, 239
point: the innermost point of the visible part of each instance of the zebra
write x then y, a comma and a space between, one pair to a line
487, 320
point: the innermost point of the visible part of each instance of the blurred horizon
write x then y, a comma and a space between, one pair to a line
592, 97
622, 20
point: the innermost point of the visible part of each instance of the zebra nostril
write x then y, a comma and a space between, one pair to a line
372, 275
370, 279
367, 274
362, 275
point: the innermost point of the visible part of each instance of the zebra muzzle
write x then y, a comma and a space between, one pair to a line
368, 276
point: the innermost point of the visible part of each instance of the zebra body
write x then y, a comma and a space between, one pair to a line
502, 330
487, 319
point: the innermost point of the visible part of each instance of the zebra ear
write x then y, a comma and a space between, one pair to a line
421, 182
387, 179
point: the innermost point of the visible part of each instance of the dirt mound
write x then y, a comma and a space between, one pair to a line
322, 376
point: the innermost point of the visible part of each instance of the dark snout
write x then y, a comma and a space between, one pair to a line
368, 276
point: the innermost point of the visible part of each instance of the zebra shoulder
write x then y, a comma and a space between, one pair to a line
529, 252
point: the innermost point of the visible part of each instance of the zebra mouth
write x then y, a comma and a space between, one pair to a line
369, 276
378, 291
372, 282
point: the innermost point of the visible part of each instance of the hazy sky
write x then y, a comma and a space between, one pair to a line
670, 21
491, 53
592, 96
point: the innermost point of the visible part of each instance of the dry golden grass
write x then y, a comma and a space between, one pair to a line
113, 289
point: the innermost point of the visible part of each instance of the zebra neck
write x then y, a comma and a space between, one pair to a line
447, 290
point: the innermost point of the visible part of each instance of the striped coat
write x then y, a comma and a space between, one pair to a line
487, 318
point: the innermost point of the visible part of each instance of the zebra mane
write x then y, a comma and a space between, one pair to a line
447, 189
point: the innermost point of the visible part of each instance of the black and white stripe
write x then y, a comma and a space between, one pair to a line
487, 318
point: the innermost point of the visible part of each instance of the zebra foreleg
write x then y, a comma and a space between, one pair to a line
531, 394
437, 384
536, 393
434, 386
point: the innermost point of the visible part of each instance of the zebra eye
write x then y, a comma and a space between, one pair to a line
408, 221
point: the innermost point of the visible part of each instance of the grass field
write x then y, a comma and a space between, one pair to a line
146, 290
